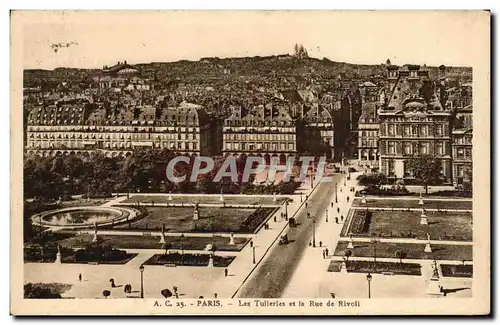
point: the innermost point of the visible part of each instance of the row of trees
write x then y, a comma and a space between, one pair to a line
143, 171
426, 171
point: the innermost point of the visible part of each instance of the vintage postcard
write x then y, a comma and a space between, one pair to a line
250, 162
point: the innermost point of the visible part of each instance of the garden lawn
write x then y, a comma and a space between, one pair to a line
200, 260
214, 199
403, 224
210, 219
457, 271
413, 251
380, 267
404, 204
152, 242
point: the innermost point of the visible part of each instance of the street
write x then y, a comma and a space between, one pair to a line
276, 270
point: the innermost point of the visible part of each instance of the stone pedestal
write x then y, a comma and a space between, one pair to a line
170, 196
221, 199
196, 215
428, 248
423, 219
350, 245
363, 200
420, 200
162, 239
210, 261
58, 258
343, 268
434, 287
231, 239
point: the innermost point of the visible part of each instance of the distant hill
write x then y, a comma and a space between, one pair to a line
241, 67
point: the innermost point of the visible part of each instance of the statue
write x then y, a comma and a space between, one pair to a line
428, 237
196, 213
58, 255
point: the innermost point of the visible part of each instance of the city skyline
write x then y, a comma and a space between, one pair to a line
250, 34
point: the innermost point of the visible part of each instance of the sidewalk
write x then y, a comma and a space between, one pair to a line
242, 267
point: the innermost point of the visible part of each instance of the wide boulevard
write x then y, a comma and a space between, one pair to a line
274, 273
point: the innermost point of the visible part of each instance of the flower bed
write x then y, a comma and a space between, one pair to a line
383, 267
360, 222
456, 270
253, 221
188, 260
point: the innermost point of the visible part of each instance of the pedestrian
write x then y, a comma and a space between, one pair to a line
323, 254
310, 244
331, 204
274, 218
341, 218
326, 252
336, 219
338, 210
225, 272
251, 243
215, 295
80, 277
347, 199
320, 243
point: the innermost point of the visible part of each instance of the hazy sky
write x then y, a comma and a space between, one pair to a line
103, 38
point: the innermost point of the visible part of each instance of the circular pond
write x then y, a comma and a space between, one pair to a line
84, 217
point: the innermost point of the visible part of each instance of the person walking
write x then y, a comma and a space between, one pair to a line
80, 277
331, 204
225, 272
323, 254
338, 210
320, 243
215, 295
336, 219
274, 218
347, 199
326, 252
251, 243
341, 218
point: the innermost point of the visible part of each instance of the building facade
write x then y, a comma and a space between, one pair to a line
413, 123
368, 137
83, 128
263, 130
462, 147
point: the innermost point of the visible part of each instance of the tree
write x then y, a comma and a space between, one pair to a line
426, 170
401, 254
166, 246
347, 254
106, 293
388, 62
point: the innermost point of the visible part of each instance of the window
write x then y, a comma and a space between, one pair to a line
439, 148
460, 153
391, 147
406, 130
391, 129
423, 148
407, 149
439, 130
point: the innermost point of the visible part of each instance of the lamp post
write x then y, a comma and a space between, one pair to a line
141, 268
314, 231
326, 212
336, 189
286, 208
253, 254
369, 279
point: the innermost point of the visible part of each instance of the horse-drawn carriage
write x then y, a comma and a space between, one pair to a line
283, 240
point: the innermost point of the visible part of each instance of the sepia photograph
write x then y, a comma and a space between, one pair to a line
250, 162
